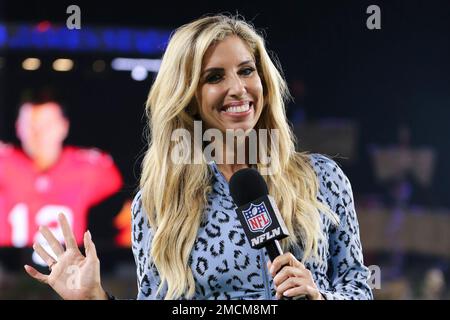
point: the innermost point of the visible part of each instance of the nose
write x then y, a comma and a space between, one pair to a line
237, 87
37, 128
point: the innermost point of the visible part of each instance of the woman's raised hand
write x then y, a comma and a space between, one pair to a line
72, 275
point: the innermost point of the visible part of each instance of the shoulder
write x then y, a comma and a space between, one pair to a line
136, 205
334, 185
7, 149
323, 164
4, 147
328, 170
137, 209
9, 154
140, 223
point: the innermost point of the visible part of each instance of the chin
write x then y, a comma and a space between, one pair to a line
240, 127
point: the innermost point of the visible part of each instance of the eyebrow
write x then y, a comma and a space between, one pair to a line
220, 69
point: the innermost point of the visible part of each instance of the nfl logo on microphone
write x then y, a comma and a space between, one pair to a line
257, 217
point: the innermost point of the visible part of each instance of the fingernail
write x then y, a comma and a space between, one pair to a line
272, 269
89, 235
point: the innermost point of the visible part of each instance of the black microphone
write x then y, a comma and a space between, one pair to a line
262, 222
257, 211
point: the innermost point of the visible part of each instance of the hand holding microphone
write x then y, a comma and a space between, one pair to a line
292, 280
264, 226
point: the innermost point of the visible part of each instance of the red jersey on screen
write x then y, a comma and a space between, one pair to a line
122, 222
29, 198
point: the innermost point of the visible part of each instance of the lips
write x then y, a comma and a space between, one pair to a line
237, 107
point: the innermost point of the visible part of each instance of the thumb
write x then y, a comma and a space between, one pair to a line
36, 274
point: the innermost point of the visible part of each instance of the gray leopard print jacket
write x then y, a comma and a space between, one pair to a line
226, 267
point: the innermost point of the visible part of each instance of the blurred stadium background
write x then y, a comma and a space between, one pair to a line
376, 100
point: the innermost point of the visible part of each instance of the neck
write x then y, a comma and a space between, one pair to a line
46, 161
228, 169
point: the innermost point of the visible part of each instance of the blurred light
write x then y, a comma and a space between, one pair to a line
3, 35
128, 64
139, 73
63, 64
31, 64
45, 36
99, 66
43, 26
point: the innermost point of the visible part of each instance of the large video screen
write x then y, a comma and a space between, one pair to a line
57, 155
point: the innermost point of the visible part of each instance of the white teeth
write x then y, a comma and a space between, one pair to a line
243, 108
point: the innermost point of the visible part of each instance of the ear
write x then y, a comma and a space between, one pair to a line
18, 130
19, 123
66, 128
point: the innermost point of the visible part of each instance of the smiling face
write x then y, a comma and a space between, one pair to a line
230, 92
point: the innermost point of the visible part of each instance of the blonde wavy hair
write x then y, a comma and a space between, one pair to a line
174, 195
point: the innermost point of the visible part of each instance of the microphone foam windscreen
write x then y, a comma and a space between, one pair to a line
247, 185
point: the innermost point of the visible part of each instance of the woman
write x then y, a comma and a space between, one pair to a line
187, 240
